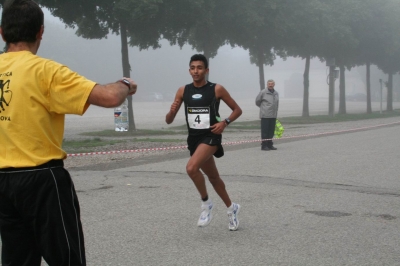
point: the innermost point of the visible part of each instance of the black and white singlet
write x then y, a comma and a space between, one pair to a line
201, 108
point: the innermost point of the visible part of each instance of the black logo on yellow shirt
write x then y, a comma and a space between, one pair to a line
5, 94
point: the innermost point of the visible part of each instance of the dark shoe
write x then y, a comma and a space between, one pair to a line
265, 149
272, 148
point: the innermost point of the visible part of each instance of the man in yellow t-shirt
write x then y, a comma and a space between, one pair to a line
39, 209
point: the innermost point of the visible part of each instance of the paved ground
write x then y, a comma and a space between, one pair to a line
328, 200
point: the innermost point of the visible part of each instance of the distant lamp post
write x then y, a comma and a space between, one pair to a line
380, 81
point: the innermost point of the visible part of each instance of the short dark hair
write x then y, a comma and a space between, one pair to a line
199, 57
21, 21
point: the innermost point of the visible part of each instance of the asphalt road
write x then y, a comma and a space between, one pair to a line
328, 200
324, 200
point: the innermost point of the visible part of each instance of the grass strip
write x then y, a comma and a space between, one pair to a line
86, 145
237, 125
136, 133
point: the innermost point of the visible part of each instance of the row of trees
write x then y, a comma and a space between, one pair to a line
353, 32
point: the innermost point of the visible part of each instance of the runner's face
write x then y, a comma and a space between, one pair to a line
198, 71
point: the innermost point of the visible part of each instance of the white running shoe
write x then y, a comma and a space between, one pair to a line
233, 212
206, 214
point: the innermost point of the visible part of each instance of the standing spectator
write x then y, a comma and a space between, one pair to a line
268, 101
39, 208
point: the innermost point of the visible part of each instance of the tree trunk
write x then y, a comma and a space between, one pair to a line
126, 69
261, 74
369, 109
306, 85
331, 91
390, 92
342, 91
260, 62
207, 54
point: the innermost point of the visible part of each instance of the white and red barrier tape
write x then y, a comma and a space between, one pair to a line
229, 143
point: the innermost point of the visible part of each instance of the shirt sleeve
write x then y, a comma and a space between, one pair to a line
259, 98
69, 91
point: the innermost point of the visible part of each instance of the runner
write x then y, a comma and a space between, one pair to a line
201, 99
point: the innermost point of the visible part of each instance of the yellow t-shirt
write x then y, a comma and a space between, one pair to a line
35, 95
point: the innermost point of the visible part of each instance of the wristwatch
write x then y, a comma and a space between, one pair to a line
227, 121
126, 82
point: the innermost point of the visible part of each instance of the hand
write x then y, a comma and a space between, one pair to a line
132, 87
169, 118
175, 106
218, 128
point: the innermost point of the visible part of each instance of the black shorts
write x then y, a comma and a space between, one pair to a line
209, 139
40, 216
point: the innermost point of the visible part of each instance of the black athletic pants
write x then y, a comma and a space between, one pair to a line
267, 131
40, 217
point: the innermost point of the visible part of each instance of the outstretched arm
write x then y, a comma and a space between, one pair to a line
223, 94
113, 94
175, 106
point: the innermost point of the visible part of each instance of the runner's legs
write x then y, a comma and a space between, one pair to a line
210, 169
203, 153
203, 159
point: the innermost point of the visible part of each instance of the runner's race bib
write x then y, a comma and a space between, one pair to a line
198, 117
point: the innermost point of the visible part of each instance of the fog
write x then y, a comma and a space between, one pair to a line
164, 70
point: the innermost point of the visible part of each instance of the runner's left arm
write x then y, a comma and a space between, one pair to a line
223, 94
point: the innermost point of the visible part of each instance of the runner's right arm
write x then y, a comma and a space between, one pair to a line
175, 106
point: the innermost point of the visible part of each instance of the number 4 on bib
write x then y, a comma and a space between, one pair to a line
198, 117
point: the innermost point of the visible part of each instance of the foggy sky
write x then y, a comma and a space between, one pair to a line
164, 70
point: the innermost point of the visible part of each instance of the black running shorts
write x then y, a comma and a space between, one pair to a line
209, 139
